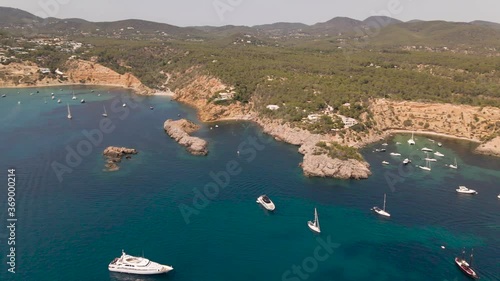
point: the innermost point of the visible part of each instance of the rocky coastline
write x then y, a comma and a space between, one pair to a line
491, 148
114, 155
179, 130
79, 72
314, 164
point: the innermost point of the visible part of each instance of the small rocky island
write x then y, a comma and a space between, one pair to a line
179, 130
114, 155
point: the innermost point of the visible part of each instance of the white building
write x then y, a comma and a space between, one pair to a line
45, 70
313, 117
272, 107
348, 121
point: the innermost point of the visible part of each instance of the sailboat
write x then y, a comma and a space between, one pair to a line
74, 97
427, 166
465, 266
69, 113
314, 225
105, 114
411, 141
381, 212
454, 166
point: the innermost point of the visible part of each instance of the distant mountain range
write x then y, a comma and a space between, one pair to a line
387, 29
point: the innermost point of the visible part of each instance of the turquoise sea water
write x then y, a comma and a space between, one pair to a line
71, 228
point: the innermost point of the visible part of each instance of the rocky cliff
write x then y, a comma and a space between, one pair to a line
179, 130
86, 72
199, 93
491, 147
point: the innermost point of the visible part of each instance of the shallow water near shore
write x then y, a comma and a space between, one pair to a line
72, 229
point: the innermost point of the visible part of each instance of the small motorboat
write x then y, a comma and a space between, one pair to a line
437, 153
385, 163
124, 105
59, 101
82, 101
465, 190
395, 154
3, 96
266, 202
385, 144
406, 161
430, 159
498, 196
380, 150
53, 97
151, 108
398, 143
440, 144
426, 149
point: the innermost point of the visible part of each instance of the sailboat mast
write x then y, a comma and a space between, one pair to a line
316, 220
471, 257
384, 201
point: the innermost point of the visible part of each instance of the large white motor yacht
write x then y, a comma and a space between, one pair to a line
137, 265
463, 189
266, 202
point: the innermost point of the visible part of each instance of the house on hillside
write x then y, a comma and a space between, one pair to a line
348, 121
44, 70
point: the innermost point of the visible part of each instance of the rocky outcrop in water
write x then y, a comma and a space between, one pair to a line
114, 155
314, 164
324, 166
179, 130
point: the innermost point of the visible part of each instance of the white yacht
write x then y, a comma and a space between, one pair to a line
426, 149
385, 163
454, 166
53, 97
314, 225
137, 265
82, 101
411, 141
498, 196
406, 161
124, 105
440, 144
465, 190
266, 202
74, 97
430, 159
381, 212
395, 154
437, 153
385, 144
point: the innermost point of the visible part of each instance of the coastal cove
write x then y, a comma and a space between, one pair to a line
82, 222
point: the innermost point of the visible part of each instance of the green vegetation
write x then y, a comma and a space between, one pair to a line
404, 61
335, 150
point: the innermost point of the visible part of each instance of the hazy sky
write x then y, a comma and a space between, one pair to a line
252, 12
